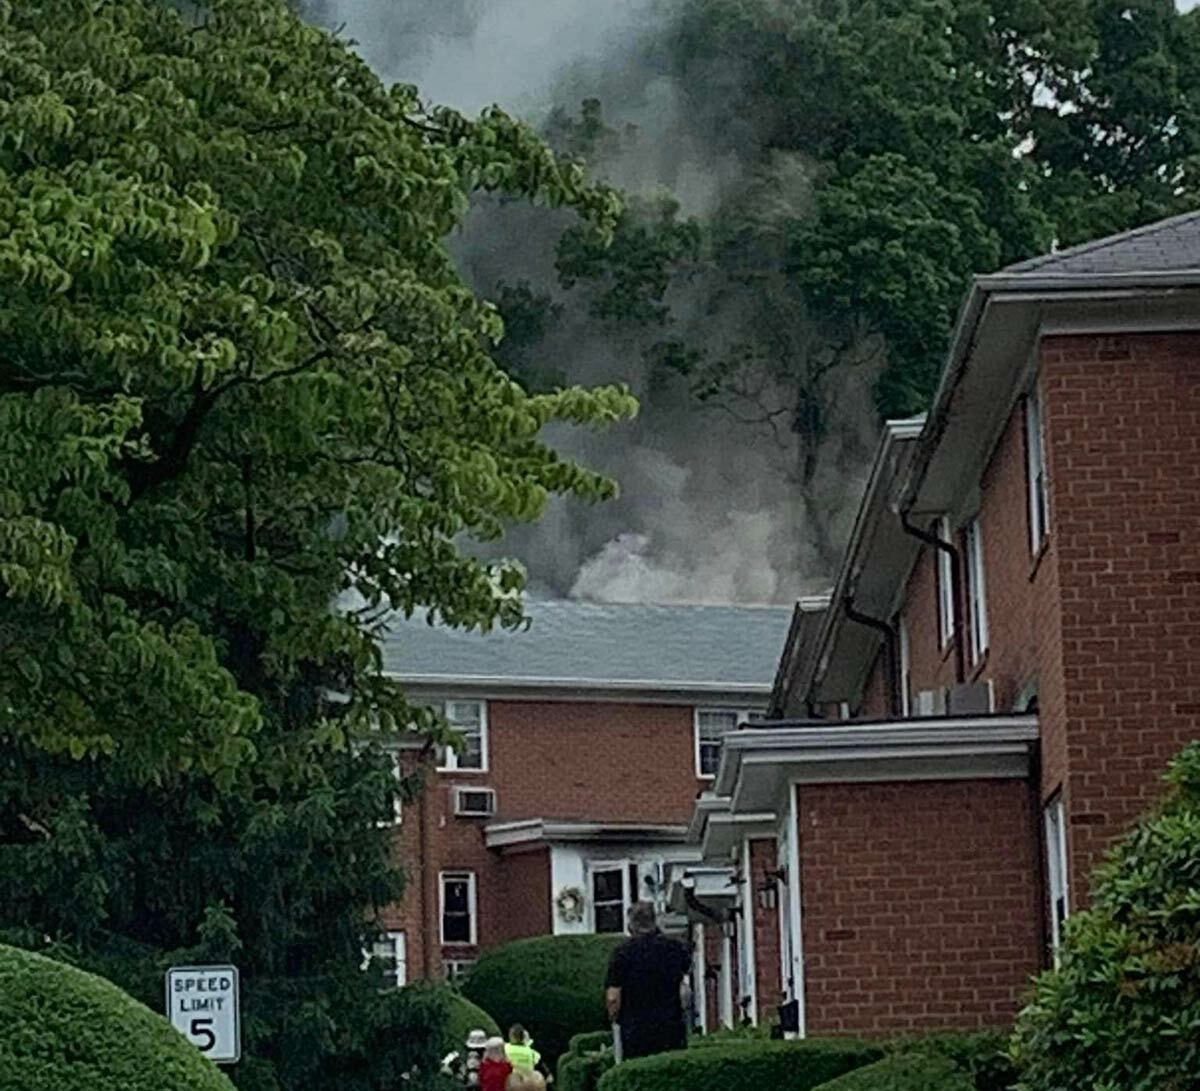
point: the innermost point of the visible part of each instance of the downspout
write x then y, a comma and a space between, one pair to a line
956, 590
889, 649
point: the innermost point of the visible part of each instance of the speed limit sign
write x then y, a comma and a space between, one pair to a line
202, 1004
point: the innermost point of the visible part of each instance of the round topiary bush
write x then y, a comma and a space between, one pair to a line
1122, 1008
553, 985
62, 1029
904, 1072
464, 1016
744, 1066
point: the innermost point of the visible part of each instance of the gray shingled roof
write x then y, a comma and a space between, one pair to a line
1162, 247
593, 643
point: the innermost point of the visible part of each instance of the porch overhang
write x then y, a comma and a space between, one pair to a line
758, 766
533, 831
702, 893
719, 832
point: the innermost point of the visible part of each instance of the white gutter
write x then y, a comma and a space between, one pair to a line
531, 830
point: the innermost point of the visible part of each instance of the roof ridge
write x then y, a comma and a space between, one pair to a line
1093, 245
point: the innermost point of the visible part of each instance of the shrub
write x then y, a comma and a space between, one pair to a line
591, 1041
747, 1033
582, 1072
464, 1016
744, 1066
553, 985
983, 1056
904, 1072
1122, 1008
63, 1029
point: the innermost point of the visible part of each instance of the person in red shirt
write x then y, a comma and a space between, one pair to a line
495, 1068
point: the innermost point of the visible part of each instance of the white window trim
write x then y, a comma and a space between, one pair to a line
450, 761
399, 942
1035, 470
627, 895
742, 717
945, 586
472, 906
977, 622
455, 968
1058, 875
905, 669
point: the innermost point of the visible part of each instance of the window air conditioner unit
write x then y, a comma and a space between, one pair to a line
474, 802
972, 699
930, 702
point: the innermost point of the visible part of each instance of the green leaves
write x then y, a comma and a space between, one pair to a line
231, 321
1123, 1008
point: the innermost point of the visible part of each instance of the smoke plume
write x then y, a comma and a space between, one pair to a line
710, 508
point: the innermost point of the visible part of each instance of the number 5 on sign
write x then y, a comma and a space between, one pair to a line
202, 1004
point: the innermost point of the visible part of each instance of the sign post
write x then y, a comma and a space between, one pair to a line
202, 1004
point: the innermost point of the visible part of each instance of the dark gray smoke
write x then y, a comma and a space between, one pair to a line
710, 509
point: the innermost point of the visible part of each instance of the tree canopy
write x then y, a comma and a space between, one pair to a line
1121, 1009
240, 381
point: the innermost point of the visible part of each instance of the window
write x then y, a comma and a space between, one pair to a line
978, 623
904, 679
469, 719
456, 969
398, 773
390, 956
945, 582
458, 908
1035, 451
711, 724
610, 897
1056, 868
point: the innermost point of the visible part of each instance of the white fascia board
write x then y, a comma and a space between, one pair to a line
749, 694
706, 806
526, 831
759, 763
726, 833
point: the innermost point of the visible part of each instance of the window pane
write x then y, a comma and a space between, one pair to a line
458, 896
471, 756
456, 929
607, 886
710, 758
610, 918
713, 725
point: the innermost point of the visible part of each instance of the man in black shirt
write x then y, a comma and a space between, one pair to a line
644, 990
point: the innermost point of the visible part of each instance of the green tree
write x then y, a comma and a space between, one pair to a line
239, 378
1122, 1008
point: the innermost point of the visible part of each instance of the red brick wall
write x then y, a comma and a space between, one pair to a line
524, 880
766, 932
569, 760
920, 905
573, 760
1123, 437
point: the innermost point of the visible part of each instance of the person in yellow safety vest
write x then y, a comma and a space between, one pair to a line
520, 1051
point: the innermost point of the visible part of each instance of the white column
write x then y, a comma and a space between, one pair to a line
795, 910
699, 985
725, 979
749, 916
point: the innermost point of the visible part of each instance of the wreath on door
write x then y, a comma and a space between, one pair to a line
570, 904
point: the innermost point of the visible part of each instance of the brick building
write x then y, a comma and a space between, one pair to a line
1002, 670
588, 737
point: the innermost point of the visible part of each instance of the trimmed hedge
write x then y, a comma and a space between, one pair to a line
552, 985
744, 1066
591, 1041
464, 1016
903, 1072
983, 1056
62, 1029
749, 1033
582, 1072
